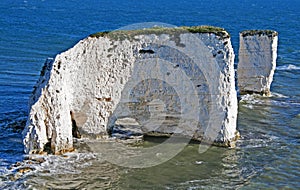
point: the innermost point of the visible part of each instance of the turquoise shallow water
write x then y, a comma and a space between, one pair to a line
267, 156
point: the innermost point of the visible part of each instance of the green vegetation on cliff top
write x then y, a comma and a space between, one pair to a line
161, 30
269, 33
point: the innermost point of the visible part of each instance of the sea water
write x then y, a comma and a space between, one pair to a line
266, 156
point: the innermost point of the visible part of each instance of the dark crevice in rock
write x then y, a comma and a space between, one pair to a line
108, 99
47, 147
176, 66
146, 51
75, 131
58, 65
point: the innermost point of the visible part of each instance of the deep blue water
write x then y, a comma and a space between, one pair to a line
33, 30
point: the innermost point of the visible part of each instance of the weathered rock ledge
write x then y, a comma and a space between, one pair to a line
158, 81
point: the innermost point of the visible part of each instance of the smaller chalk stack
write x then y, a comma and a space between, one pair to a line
257, 61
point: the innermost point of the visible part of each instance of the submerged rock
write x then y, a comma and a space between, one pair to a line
257, 61
165, 81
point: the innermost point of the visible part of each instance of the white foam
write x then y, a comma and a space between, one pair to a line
288, 67
277, 95
71, 163
250, 99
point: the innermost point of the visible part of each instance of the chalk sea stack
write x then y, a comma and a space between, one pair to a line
159, 81
257, 61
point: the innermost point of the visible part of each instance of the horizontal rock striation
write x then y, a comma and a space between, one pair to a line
158, 81
257, 61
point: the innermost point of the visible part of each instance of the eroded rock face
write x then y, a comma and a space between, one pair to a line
158, 82
257, 61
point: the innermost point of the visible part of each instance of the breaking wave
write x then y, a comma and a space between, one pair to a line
288, 67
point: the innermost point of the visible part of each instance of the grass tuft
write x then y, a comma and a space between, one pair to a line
269, 33
129, 34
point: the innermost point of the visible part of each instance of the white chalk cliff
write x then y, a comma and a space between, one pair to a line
257, 61
159, 81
